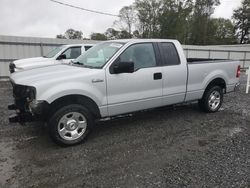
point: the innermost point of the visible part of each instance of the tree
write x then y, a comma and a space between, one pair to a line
148, 12
241, 17
60, 36
70, 34
127, 18
124, 34
174, 20
73, 34
136, 34
98, 36
112, 34
221, 32
203, 9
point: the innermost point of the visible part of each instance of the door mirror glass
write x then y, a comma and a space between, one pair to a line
62, 56
123, 67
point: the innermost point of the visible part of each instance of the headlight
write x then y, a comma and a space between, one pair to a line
38, 107
12, 67
27, 92
31, 92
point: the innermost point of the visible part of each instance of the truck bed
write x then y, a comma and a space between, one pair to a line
202, 71
205, 60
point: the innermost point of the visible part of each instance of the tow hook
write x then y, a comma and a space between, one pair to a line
13, 118
12, 107
19, 117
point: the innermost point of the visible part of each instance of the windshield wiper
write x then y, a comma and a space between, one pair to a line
89, 66
86, 66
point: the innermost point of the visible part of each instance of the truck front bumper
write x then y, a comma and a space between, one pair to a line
21, 118
37, 112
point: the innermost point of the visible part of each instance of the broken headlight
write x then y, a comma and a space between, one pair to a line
21, 92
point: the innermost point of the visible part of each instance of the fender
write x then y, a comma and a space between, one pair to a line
73, 88
214, 75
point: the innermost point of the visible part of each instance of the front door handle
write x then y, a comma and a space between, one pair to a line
158, 76
97, 80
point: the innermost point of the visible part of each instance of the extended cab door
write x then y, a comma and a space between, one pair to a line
142, 89
174, 73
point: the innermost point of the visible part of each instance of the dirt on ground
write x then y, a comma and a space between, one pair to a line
177, 146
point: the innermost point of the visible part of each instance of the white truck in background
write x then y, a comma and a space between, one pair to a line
114, 78
61, 54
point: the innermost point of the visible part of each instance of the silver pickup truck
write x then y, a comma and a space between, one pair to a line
118, 77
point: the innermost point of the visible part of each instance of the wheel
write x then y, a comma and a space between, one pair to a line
70, 124
212, 99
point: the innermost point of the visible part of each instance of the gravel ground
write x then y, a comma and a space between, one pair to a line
167, 147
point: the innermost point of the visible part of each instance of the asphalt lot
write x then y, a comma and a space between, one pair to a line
168, 147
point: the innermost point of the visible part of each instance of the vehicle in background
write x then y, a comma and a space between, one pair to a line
61, 54
118, 77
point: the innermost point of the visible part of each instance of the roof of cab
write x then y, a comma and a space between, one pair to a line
142, 40
72, 45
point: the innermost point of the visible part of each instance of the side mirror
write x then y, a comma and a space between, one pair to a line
123, 67
62, 56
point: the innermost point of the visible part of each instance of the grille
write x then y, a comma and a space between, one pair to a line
19, 94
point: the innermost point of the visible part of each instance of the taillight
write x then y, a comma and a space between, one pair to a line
238, 72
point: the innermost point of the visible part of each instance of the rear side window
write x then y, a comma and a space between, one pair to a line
170, 54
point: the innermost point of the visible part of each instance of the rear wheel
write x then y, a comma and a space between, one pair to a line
212, 99
70, 125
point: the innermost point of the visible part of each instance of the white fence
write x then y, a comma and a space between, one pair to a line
12, 48
237, 52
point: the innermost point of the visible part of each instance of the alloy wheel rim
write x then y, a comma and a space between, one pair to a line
72, 126
214, 100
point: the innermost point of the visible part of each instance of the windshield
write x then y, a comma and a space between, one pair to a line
53, 52
98, 56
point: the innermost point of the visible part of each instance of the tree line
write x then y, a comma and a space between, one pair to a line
185, 20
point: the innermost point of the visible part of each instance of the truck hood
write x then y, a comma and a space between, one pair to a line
50, 75
33, 62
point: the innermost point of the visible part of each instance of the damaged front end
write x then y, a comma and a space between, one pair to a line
26, 108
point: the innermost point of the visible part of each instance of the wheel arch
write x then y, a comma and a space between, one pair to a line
216, 82
76, 99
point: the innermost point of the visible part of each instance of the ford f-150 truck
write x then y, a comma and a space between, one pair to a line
61, 54
118, 77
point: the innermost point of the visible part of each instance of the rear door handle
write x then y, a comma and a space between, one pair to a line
158, 76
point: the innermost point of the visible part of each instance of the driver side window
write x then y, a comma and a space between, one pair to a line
142, 55
72, 53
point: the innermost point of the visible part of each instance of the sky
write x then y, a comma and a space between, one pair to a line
43, 18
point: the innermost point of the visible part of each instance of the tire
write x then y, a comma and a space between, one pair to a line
70, 125
212, 99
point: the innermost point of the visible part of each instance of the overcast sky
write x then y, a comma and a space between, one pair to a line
43, 18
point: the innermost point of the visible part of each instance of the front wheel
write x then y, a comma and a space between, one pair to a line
212, 99
70, 124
